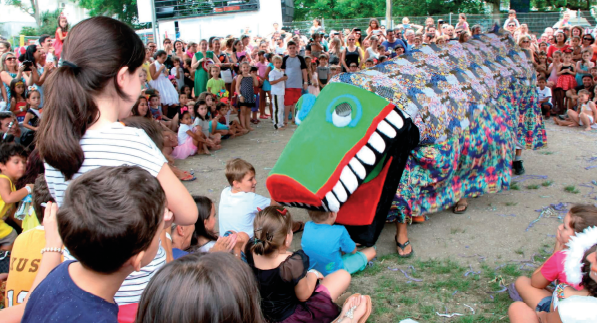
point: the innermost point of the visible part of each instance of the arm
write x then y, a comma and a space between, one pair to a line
59, 30
366, 55
195, 63
179, 200
255, 81
4, 94
267, 70
304, 78
47, 70
560, 72
32, 77
343, 59
12, 197
26, 122
155, 73
196, 136
306, 286
538, 280
238, 79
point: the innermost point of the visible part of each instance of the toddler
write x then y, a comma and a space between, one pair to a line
178, 72
33, 111
291, 292
532, 290
13, 159
330, 247
127, 196
188, 140
215, 83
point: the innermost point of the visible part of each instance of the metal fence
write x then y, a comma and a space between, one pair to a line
537, 21
174, 9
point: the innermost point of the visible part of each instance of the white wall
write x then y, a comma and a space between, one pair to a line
194, 29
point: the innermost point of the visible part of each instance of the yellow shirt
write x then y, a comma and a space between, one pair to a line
146, 68
24, 264
5, 229
30, 221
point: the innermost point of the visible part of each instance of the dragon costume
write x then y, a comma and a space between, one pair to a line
412, 135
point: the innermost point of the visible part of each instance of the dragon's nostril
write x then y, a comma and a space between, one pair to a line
343, 110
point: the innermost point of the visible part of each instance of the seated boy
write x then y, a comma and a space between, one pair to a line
110, 222
325, 243
26, 252
239, 203
544, 96
13, 159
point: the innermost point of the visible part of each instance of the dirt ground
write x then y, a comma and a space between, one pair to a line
494, 225
498, 229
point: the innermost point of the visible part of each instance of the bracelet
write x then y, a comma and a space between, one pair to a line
28, 189
51, 250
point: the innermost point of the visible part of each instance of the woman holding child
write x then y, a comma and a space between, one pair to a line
198, 64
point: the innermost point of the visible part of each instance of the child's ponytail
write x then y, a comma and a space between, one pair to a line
96, 50
271, 226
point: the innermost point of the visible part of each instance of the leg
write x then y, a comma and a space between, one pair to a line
248, 118
520, 312
402, 238
269, 94
461, 206
369, 252
241, 117
336, 283
292, 112
286, 112
261, 104
530, 295
574, 117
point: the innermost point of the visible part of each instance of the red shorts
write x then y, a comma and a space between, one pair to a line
291, 96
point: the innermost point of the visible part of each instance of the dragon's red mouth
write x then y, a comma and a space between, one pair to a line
348, 178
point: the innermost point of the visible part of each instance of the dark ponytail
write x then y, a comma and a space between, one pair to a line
97, 49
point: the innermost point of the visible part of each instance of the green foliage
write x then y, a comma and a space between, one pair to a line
571, 189
544, 5
48, 21
29, 31
124, 10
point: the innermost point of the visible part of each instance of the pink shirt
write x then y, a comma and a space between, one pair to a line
261, 69
553, 269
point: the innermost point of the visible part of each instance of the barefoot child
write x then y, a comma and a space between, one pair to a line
585, 117
330, 247
290, 292
202, 124
246, 96
533, 290
188, 140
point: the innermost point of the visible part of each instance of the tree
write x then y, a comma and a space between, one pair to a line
48, 22
124, 10
32, 8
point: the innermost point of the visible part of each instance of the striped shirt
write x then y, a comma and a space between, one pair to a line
116, 146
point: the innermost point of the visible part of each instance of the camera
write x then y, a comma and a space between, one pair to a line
27, 65
431, 35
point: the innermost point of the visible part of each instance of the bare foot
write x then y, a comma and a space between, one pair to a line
571, 125
207, 152
555, 119
282, 128
588, 129
251, 129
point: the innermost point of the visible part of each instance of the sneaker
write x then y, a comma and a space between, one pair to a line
517, 167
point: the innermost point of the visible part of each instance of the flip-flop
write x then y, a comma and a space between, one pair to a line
187, 179
402, 246
460, 204
300, 228
339, 318
369, 307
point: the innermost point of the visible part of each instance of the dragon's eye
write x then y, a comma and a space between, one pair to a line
342, 115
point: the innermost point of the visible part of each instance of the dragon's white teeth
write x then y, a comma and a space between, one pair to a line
358, 168
395, 119
377, 142
366, 155
333, 203
386, 129
340, 192
349, 179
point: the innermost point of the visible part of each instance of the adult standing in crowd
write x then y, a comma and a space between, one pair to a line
10, 70
201, 75
559, 45
4, 47
44, 68
45, 41
391, 42
168, 49
351, 53
588, 42
179, 50
374, 29
335, 51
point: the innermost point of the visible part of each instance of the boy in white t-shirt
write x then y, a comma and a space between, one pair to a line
239, 204
544, 96
276, 79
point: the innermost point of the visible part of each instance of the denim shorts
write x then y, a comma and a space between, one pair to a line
544, 305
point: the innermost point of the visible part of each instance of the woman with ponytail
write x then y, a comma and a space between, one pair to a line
97, 84
291, 292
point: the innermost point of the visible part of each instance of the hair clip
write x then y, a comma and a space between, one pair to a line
31, 88
283, 211
259, 209
184, 109
256, 240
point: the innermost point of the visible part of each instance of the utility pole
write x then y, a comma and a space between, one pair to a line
389, 15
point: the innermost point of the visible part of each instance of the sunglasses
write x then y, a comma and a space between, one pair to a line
587, 39
168, 43
511, 25
351, 39
11, 58
526, 42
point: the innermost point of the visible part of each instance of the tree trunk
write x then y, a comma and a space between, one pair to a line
35, 14
495, 6
389, 15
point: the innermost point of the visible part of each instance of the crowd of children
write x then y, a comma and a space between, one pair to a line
105, 230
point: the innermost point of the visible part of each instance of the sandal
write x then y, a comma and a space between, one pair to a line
298, 226
350, 313
188, 178
403, 246
458, 204
369, 307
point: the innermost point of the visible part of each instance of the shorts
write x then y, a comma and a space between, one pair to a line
590, 120
354, 262
291, 96
266, 86
544, 305
9, 239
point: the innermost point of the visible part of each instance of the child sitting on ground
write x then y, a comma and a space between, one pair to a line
202, 124
110, 221
223, 110
330, 247
544, 96
28, 245
291, 292
239, 203
586, 115
206, 239
156, 111
13, 159
189, 141
225, 286
533, 290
